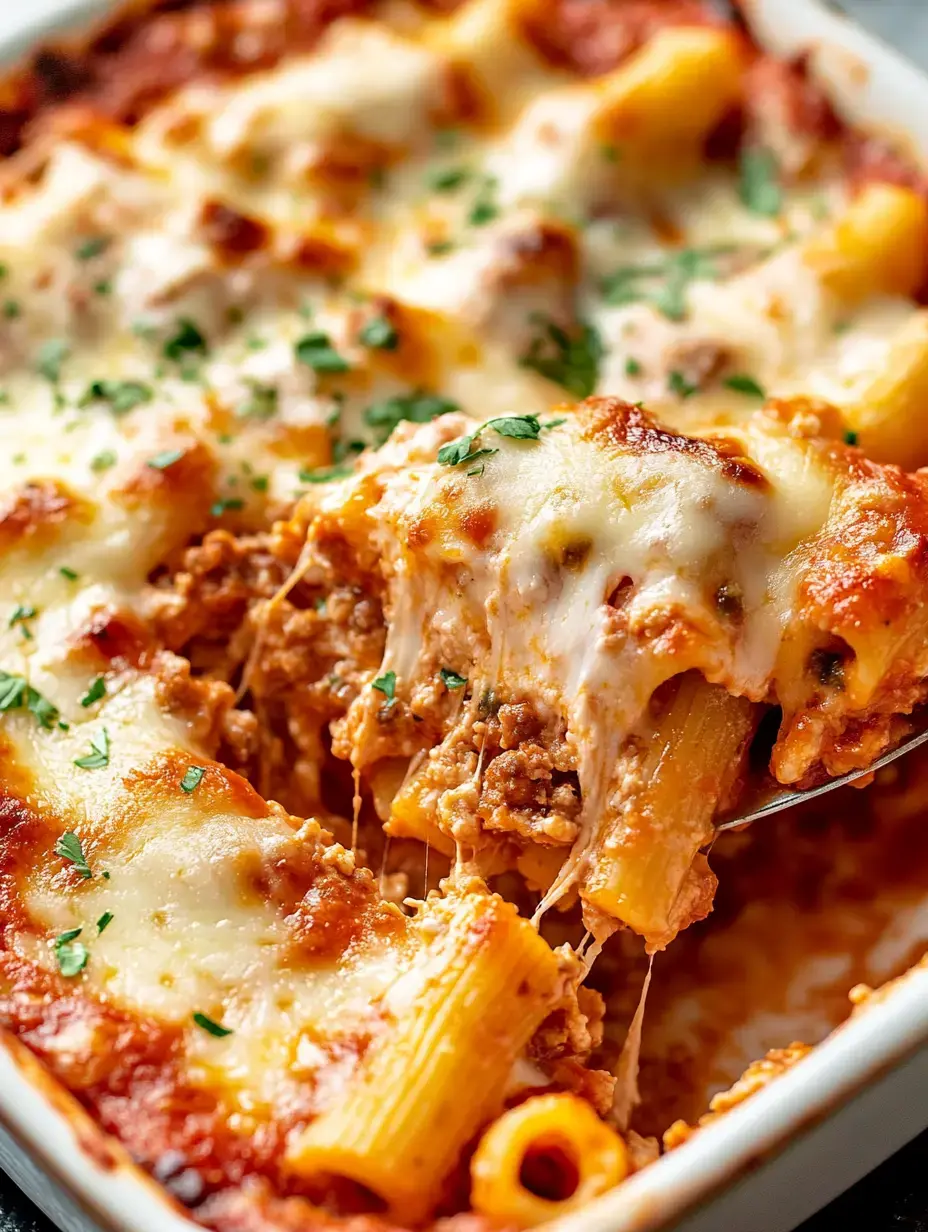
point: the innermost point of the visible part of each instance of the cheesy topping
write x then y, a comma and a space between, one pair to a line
335, 304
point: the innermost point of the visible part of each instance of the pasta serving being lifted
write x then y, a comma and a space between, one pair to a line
488, 431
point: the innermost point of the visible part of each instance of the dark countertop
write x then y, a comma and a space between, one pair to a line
894, 1198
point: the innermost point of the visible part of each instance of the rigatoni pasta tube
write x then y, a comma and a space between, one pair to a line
456, 1024
878, 246
676, 775
888, 415
544, 1158
660, 106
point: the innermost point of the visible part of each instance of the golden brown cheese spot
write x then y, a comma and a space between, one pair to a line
114, 638
37, 510
628, 427
219, 790
231, 234
479, 522
185, 486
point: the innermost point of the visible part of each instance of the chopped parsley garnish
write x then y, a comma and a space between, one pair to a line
4, 269
121, 396
103, 287
417, 407
210, 1027
261, 402
632, 367
51, 356
569, 360
226, 504
22, 612
461, 451
16, 692
96, 691
342, 449
316, 351
380, 334
69, 848
611, 153
71, 954
71, 574
92, 247
386, 684
679, 385
11, 309
104, 921
439, 248
167, 457
260, 483
760, 189
741, 383
447, 179
99, 756
193, 776
663, 283
186, 340
484, 208
451, 680
325, 474
103, 461
850, 438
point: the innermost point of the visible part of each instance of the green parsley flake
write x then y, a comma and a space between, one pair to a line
316, 351
100, 752
72, 955
569, 360
69, 848
760, 188
664, 282
679, 385
167, 457
260, 404
325, 474
386, 684
11, 309
186, 340
741, 383
379, 334
51, 356
447, 179
226, 504
104, 921
22, 612
211, 1027
92, 247
416, 407
632, 367
451, 680
121, 396
439, 248
193, 776
16, 692
850, 438
96, 691
103, 460
71, 574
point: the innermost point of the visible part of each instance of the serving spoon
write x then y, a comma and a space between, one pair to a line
773, 798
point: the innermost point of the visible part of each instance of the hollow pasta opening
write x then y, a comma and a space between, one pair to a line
550, 1170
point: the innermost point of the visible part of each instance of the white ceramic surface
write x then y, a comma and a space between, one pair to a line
768, 1164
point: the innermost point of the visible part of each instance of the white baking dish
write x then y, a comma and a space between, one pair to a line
765, 1166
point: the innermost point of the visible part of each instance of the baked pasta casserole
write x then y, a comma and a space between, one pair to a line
454, 452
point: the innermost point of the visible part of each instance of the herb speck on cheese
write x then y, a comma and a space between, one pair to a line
99, 755
69, 847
